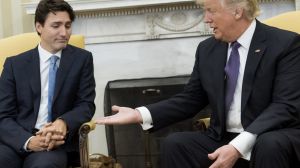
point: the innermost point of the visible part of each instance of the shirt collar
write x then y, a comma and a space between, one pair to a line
246, 37
45, 55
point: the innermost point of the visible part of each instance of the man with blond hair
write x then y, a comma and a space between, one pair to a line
249, 74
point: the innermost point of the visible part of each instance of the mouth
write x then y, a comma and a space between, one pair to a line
214, 30
62, 40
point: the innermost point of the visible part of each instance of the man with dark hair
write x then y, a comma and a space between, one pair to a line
46, 94
249, 74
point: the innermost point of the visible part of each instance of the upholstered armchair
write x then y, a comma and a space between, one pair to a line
288, 21
19, 43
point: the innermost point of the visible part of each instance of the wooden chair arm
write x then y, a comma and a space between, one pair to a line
83, 142
202, 123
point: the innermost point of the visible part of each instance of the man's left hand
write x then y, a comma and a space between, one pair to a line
224, 157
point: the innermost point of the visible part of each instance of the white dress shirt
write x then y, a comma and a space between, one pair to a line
44, 57
44, 71
244, 141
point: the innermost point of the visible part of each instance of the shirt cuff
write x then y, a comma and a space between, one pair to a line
26, 143
244, 143
146, 116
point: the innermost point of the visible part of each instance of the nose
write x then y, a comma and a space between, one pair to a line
207, 18
63, 31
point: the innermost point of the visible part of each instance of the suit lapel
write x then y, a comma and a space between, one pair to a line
64, 67
35, 79
218, 60
222, 52
256, 51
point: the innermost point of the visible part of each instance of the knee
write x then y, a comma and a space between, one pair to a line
174, 140
6, 161
48, 164
8, 158
270, 143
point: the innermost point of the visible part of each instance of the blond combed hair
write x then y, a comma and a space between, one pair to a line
251, 7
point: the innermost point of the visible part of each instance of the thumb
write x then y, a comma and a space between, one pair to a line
213, 156
115, 108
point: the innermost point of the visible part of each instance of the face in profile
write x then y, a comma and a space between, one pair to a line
56, 31
220, 19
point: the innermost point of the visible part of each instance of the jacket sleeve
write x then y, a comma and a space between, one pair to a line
11, 133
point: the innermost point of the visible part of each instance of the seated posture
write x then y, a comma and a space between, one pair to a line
46, 93
249, 74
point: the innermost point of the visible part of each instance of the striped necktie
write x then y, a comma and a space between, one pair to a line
232, 72
51, 87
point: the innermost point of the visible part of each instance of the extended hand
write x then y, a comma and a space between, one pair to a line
124, 115
225, 157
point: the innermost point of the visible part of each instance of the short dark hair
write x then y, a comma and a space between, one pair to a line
46, 6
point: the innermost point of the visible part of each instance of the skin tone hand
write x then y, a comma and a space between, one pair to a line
124, 115
224, 157
54, 133
37, 144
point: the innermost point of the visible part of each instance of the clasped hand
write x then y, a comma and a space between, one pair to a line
49, 137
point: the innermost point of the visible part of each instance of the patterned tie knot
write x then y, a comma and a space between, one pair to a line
235, 45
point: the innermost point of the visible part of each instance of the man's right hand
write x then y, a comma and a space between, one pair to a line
124, 115
37, 143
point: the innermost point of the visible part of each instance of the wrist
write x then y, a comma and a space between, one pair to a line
138, 116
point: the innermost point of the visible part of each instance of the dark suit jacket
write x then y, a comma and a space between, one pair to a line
20, 95
270, 91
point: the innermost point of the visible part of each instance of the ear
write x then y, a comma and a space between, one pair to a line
238, 13
38, 27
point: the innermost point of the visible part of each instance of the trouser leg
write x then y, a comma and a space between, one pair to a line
273, 149
188, 150
52, 159
9, 158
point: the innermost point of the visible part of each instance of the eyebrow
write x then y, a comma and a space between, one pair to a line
60, 22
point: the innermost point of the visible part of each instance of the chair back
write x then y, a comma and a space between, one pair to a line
17, 44
288, 21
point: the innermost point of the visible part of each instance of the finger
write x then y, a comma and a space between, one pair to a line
58, 143
101, 120
51, 129
38, 148
57, 137
51, 145
41, 131
42, 145
48, 138
213, 156
48, 124
98, 121
115, 108
214, 165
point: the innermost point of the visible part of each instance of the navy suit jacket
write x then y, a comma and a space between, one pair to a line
20, 95
270, 90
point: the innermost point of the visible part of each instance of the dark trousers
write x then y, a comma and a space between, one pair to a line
190, 150
52, 159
